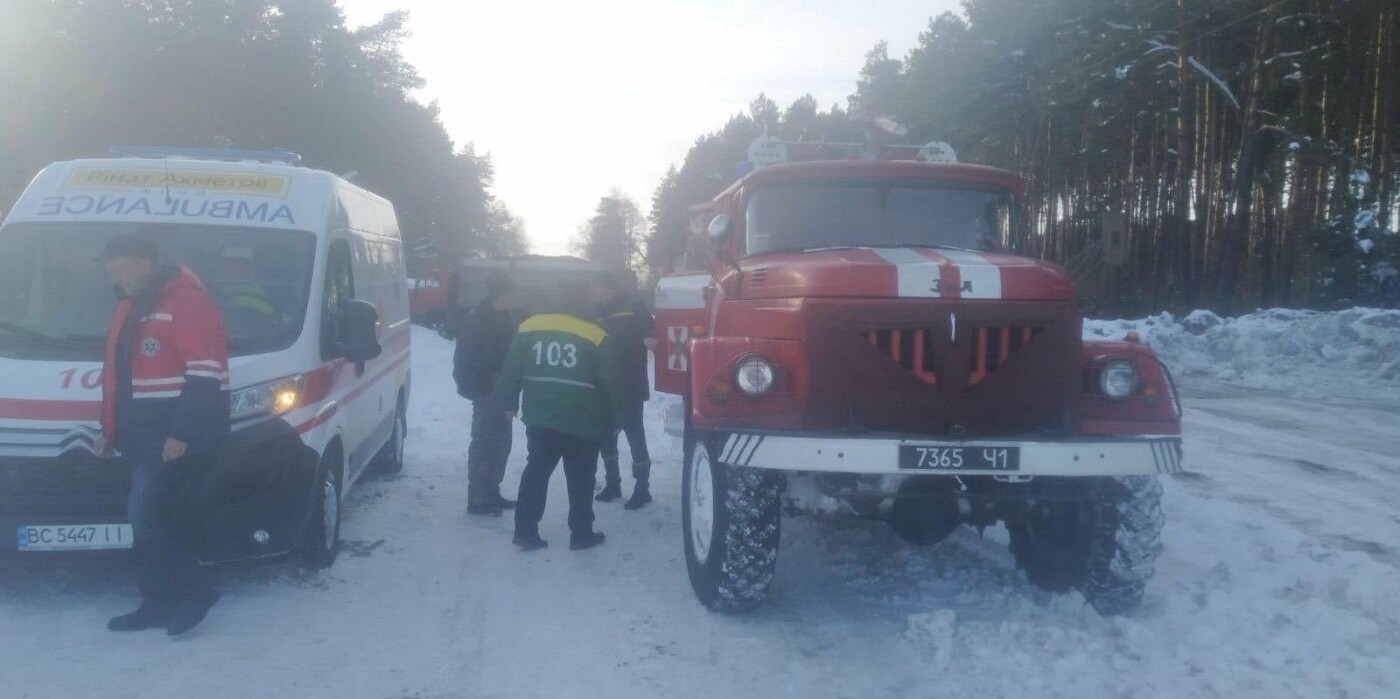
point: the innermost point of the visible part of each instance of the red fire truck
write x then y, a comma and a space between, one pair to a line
859, 335
428, 297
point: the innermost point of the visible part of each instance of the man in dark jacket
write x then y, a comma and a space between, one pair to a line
628, 322
567, 369
164, 406
481, 350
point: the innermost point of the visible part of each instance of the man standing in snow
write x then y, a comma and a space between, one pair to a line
480, 353
629, 323
164, 403
567, 368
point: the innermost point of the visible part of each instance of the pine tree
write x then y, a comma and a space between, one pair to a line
616, 234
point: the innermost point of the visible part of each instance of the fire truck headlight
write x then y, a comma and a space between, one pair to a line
1118, 379
754, 376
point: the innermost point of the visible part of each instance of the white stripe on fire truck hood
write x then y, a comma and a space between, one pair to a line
920, 276
980, 278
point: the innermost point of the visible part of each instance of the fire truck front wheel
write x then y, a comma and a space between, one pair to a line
1100, 535
731, 518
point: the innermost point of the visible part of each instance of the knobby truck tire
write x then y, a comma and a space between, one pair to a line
1127, 543
1106, 545
734, 575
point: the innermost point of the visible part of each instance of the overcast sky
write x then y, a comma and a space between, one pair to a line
574, 98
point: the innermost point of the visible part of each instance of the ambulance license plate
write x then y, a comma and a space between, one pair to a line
914, 457
76, 537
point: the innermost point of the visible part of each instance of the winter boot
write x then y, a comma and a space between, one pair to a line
191, 611
579, 542
529, 541
641, 495
149, 616
484, 509
503, 503
612, 491
483, 506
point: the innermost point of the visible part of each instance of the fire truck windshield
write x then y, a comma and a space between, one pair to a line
823, 214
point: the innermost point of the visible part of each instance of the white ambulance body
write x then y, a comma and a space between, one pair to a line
309, 273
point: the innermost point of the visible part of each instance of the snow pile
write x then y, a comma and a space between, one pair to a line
1272, 349
935, 631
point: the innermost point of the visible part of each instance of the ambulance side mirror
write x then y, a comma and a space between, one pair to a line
360, 322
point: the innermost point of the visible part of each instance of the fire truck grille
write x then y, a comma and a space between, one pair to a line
942, 367
913, 349
992, 346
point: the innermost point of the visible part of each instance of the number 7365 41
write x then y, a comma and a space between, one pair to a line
970, 458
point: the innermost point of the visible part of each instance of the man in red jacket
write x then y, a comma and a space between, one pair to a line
165, 401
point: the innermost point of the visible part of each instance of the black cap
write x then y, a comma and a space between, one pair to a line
614, 281
498, 284
571, 298
133, 246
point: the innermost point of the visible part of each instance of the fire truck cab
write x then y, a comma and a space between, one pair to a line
860, 338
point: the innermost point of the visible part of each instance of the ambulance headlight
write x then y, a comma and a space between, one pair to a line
272, 398
754, 376
1118, 379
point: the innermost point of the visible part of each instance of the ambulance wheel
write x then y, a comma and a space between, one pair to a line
390, 458
321, 543
731, 520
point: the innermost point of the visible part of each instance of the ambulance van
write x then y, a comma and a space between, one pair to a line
308, 271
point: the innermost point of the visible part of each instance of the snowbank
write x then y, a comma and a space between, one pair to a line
1272, 349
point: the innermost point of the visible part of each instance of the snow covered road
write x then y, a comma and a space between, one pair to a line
1280, 578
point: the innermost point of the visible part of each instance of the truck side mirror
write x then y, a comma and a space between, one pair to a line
720, 230
360, 323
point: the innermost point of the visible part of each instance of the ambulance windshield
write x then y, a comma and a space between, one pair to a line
56, 300
850, 213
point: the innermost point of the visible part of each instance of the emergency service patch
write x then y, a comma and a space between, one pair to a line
150, 347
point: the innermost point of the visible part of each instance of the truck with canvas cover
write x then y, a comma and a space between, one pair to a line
539, 280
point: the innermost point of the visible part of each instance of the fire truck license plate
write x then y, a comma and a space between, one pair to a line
79, 537
937, 458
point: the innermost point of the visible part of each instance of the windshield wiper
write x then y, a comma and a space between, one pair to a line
867, 246
931, 246
17, 329
21, 331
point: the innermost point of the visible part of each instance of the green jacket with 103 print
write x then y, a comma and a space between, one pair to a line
569, 373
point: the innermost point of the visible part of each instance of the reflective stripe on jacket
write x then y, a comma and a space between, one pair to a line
166, 368
569, 373
629, 323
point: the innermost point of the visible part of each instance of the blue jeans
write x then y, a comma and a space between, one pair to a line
167, 570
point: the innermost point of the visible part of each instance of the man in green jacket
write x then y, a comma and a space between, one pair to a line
569, 373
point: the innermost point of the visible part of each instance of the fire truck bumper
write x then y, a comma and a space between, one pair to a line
1098, 456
